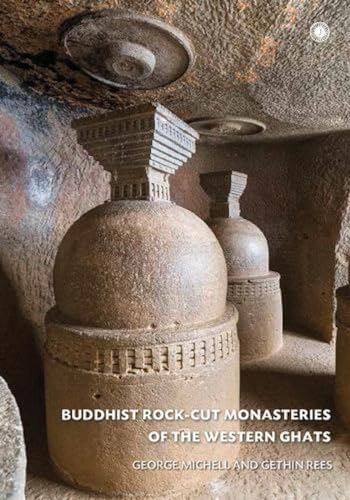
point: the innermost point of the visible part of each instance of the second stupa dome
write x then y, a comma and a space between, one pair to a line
244, 245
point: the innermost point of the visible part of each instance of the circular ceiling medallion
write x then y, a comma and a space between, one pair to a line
127, 50
226, 127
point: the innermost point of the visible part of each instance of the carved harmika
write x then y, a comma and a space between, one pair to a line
224, 189
140, 150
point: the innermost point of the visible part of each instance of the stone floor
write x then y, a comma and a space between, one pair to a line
299, 376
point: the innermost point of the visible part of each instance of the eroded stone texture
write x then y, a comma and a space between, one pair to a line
255, 59
252, 288
12, 449
141, 319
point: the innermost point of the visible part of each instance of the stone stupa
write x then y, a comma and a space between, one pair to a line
141, 319
252, 287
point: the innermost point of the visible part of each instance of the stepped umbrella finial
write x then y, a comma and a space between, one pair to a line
224, 189
141, 147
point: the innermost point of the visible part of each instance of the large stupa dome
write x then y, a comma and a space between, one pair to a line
138, 264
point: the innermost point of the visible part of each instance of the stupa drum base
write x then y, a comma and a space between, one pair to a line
259, 304
106, 369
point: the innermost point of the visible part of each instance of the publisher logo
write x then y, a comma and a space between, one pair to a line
320, 32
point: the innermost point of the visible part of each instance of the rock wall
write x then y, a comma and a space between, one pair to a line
46, 182
321, 181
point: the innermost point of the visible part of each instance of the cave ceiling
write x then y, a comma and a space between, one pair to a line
253, 59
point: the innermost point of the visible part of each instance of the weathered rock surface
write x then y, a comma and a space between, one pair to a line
254, 59
12, 448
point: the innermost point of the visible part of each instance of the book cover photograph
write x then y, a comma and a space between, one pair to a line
174, 250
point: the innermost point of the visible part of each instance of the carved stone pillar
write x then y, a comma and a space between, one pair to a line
141, 319
342, 378
252, 287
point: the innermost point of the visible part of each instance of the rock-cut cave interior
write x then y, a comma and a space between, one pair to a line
174, 233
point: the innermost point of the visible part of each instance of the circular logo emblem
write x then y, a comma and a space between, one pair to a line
320, 32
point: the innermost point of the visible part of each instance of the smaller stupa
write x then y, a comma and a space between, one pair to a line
342, 377
252, 287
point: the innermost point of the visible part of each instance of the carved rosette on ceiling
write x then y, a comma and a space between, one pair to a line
216, 129
127, 50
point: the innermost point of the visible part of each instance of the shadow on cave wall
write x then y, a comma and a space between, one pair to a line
19, 361
46, 183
